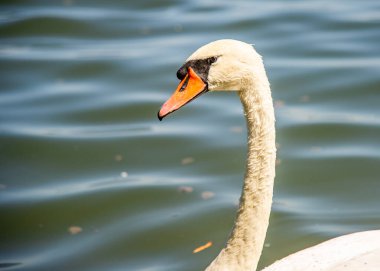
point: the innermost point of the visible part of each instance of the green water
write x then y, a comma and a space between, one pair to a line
91, 180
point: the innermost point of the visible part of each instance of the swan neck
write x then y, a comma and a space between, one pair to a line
244, 246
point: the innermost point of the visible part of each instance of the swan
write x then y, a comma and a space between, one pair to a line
236, 66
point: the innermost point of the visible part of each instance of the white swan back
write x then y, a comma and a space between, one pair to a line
352, 252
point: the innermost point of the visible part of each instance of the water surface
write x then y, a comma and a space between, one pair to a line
90, 180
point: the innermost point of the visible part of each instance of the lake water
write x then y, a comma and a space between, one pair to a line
91, 180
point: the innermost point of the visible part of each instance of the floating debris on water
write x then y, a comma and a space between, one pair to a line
145, 30
279, 103
207, 195
178, 28
185, 189
187, 160
278, 162
118, 157
75, 230
236, 129
201, 248
305, 99
124, 174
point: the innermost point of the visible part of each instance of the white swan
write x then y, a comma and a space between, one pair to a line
235, 65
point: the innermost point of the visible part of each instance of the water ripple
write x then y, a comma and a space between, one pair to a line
81, 145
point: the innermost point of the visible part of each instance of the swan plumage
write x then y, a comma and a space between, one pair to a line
235, 66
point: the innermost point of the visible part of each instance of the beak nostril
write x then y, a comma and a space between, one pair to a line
184, 85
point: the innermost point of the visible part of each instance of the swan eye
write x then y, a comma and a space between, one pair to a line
200, 66
181, 73
212, 59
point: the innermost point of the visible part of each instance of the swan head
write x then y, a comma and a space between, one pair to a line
222, 65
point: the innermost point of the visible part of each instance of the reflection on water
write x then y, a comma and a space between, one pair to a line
90, 180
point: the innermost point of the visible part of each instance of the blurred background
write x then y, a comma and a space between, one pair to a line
91, 180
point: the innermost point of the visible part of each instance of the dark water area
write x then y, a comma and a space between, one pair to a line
91, 180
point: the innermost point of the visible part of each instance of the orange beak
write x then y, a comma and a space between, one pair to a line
189, 88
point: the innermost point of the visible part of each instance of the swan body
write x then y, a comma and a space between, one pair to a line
235, 66
355, 251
